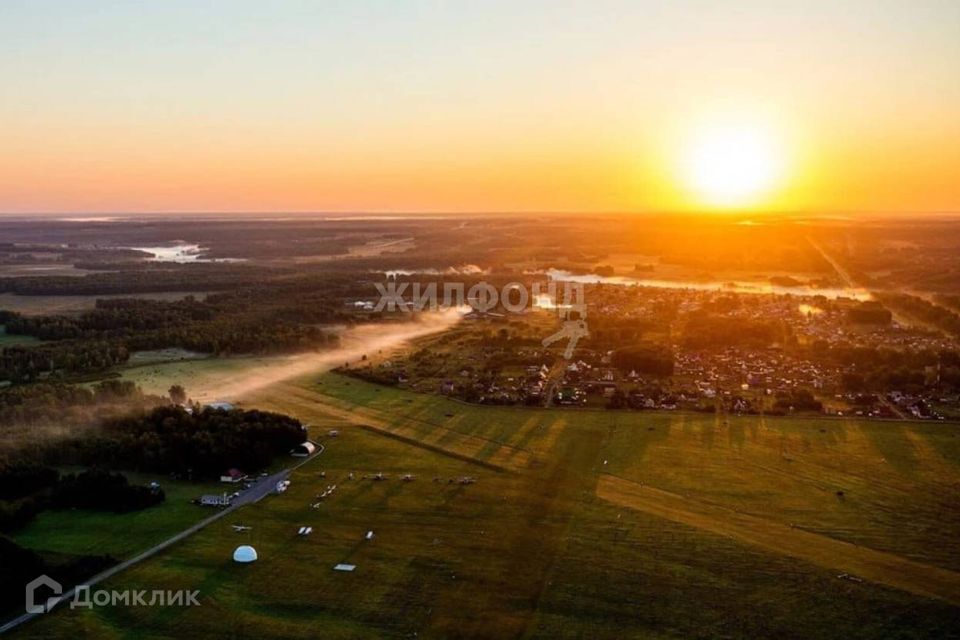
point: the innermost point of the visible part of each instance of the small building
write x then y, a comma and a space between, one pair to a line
233, 476
344, 567
214, 500
303, 450
221, 406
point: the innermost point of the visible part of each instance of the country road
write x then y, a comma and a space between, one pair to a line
837, 267
262, 488
554, 378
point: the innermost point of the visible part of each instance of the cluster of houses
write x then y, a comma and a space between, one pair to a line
522, 385
916, 406
743, 376
770, 370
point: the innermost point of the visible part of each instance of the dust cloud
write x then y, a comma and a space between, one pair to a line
355, 342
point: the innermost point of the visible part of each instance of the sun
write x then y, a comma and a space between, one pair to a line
732, 165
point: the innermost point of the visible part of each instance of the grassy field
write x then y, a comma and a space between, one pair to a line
83, 532
580, 524
7, 340
201, 377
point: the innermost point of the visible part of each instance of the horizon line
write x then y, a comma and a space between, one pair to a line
502, 212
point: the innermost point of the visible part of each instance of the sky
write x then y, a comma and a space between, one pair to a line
402, 106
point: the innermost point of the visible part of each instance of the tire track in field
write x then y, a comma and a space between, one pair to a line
865, 563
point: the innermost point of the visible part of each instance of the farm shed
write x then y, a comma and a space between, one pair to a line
304, 450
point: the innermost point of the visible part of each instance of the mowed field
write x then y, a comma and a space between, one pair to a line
580, 524
84, 532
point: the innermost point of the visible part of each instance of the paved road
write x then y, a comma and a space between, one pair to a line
262, 488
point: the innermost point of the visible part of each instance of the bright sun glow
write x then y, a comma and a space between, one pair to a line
732, 166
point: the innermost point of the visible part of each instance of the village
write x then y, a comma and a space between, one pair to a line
789, 354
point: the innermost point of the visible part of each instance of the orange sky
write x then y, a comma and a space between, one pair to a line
191, 106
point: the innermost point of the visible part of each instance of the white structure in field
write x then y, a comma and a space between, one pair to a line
245, 553
212, 500
304, 450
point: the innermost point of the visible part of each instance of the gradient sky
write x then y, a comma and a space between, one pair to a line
469, 106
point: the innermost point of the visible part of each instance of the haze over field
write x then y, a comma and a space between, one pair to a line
236, 379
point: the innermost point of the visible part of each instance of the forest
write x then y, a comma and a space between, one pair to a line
69, 404
193, 443
253, 321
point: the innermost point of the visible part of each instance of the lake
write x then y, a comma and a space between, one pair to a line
855, 293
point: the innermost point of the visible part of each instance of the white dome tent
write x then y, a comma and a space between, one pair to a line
245, 553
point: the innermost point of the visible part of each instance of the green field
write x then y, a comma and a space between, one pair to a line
581, 524
7, 340
204, 379
83, 532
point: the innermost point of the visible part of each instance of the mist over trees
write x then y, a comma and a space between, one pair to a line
67, 404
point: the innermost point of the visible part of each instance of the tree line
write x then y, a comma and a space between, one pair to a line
105, 336
66, 405
26, 489
19, 565
190, 442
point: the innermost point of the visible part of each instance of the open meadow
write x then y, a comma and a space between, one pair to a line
8, 340
80, 532
550, 523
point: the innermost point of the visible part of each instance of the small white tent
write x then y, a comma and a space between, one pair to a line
245, 553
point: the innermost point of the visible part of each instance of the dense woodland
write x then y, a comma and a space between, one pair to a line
28, 364
68, 404
647, 359
194, 444
248, 321
941, 317
188, 323
191, 443
103, 491
705, 330
142, 278
27, 489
